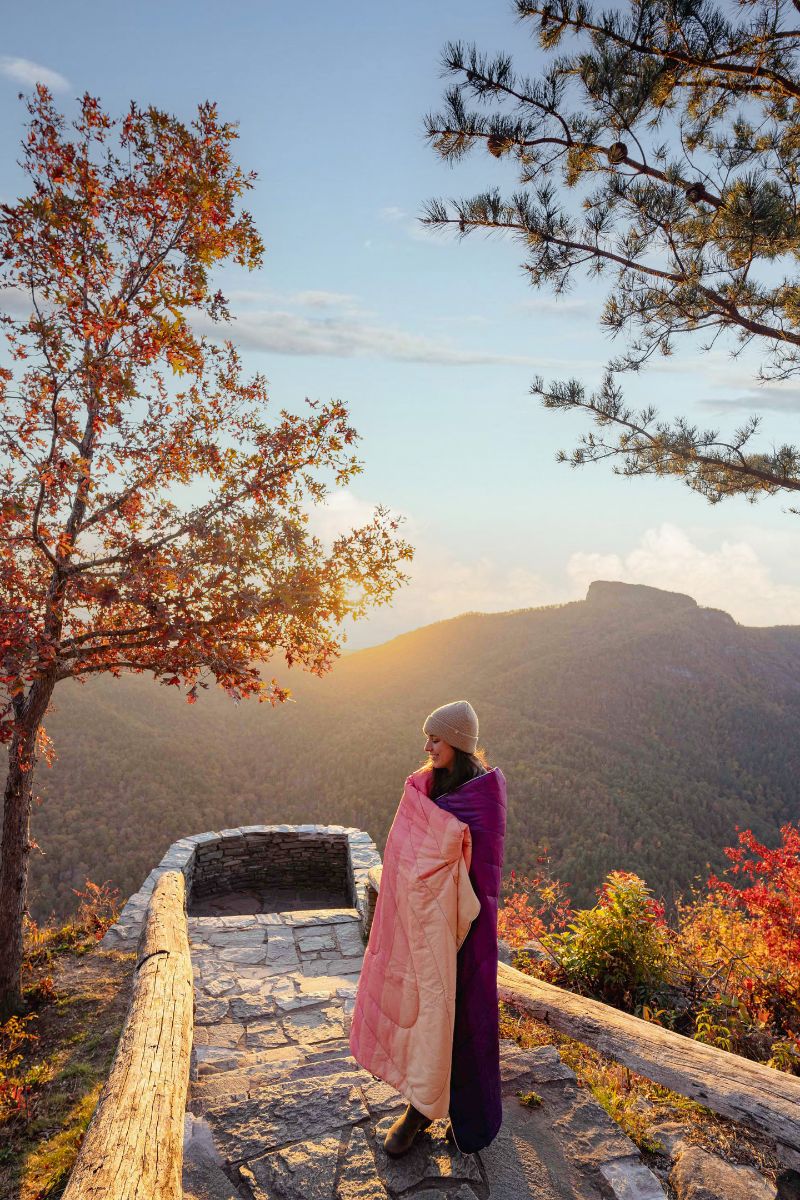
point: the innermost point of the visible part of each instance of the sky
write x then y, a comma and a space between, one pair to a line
432, 343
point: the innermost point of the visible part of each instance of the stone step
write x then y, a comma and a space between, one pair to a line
237, 1084
280, 1111
203, 1175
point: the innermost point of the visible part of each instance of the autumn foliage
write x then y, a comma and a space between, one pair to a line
21, 1083
154, 511
725, 971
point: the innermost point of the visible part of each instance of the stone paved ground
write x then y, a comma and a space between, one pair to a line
279, 1110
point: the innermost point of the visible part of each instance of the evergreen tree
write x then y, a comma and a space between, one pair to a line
661, 150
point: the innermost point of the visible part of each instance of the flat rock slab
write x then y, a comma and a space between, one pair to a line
222, 1033
631, 1180
527, 1159
698, 1175
309, 1026
210, 1009
276, 1114
431, 1158
578, 1122
301, 1171
205, 1181
520, 1069
313, 916
203, 1177
358, 1179
262, 1035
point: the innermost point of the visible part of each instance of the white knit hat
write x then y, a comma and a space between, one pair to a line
456, 723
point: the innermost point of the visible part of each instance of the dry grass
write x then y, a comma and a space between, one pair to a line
77, 1034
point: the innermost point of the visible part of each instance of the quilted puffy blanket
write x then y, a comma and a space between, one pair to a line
426, 1018
402, 1023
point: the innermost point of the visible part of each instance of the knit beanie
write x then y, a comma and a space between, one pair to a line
456, 723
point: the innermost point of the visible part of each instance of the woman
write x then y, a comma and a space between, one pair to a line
455, 795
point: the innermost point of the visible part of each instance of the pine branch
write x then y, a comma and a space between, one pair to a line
717, 197
713, 467
669, 54
438, 217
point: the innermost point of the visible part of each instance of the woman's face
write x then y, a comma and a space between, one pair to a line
442, 753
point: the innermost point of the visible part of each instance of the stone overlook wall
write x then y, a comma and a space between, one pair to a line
258, 856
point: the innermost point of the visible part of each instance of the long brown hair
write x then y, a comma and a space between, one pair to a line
465, 766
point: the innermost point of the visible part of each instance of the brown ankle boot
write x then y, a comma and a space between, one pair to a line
402, 1133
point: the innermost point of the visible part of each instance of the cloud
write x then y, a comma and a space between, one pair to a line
440, 586
342, 510
413, 227
733, 577
314, 299
311, 301
15, 302
445, 586
785, 401
722, 372
554, 304
340, 332
346, 336
324, 300
23, 71
734, 380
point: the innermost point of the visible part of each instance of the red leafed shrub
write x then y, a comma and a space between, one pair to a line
98, 908
753, 916
41, 993
535, 904
724, 970
15, 1089
771, 898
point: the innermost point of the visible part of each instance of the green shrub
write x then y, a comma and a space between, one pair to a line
620, 951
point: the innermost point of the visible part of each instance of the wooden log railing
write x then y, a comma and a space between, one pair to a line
752, 1093
133, 1148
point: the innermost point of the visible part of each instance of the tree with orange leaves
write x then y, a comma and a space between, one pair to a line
110, 403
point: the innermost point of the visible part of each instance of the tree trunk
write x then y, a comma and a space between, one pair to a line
16, 844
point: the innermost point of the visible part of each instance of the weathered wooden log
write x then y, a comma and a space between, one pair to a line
735, 1087
133, 1148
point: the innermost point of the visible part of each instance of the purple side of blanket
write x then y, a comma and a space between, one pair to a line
476, 1106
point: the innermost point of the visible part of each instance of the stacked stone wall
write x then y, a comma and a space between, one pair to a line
249, 860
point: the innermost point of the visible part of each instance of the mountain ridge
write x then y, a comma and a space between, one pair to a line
635, 728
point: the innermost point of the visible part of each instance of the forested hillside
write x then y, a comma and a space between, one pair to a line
635, 730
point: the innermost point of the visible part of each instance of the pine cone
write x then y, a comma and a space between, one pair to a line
498, 145
695, 192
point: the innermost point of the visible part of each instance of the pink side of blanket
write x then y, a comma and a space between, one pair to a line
402, 1022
